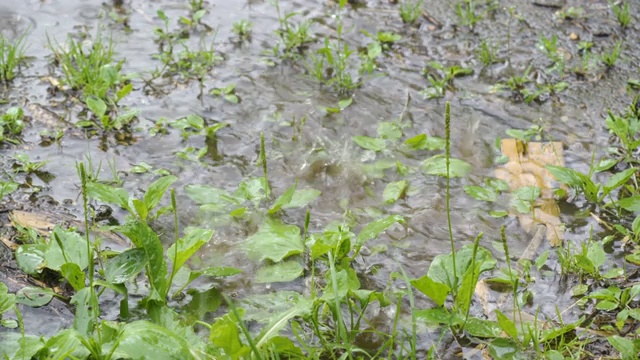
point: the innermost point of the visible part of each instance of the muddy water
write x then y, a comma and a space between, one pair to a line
269, 93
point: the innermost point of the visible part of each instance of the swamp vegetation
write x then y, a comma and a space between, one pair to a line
320, 179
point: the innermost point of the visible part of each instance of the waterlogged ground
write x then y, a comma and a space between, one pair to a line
319, 152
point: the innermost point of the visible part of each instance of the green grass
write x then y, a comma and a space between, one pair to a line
11, 57
410, 11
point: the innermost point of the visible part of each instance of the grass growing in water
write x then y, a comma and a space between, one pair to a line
11, 57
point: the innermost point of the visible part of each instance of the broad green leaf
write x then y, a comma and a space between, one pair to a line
141, 209
389, 130
373, 229
302, 198
596, 254
188, 245
6, 300
631, 203
156, 190
284, 199
343, 104
299, 307
145, 340
607, 305
369, 143
441, 268
224, 334
482, 328
143, 237
283, 271
498, 213
424, 142
217, 271
625, 346
437, 165
343, 285
203, 302
275, 241
7, 187
34, 296
635, 226
507, 325
585, 264
507, 349
434, 316
108, 194
124, 91
438, 292
62, 344
73, 274
497, 184
252, 189
568, 176
125, 266
481, 193
527, 193
66, 246
87, 311
203, 194
394, 191
579, 289
619, 179
30, 257
605, 164
96, 105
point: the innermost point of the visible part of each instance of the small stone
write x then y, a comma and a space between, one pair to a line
573, 36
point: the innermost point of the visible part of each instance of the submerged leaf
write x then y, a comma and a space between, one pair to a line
437, 165
394, 191
280, 272
373, 229
369, 143
275, 241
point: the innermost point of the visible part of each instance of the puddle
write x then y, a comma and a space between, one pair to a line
321, 154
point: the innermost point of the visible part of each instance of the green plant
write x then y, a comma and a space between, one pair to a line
24, 165
228, 93
488, 53
177, 57
92, 70
410, 10
622, 13
243, 29
293, 38
467, 12
382, 41
570, 13
610, 58
441, 78
11, 125
11, 56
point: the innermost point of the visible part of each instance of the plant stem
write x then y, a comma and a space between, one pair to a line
447, 132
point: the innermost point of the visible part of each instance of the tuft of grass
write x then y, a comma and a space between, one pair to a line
621, 11
243, 29
89, 68
609, 58
487, 53
410, 11
11, 57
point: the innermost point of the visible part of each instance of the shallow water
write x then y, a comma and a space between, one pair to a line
272, 94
